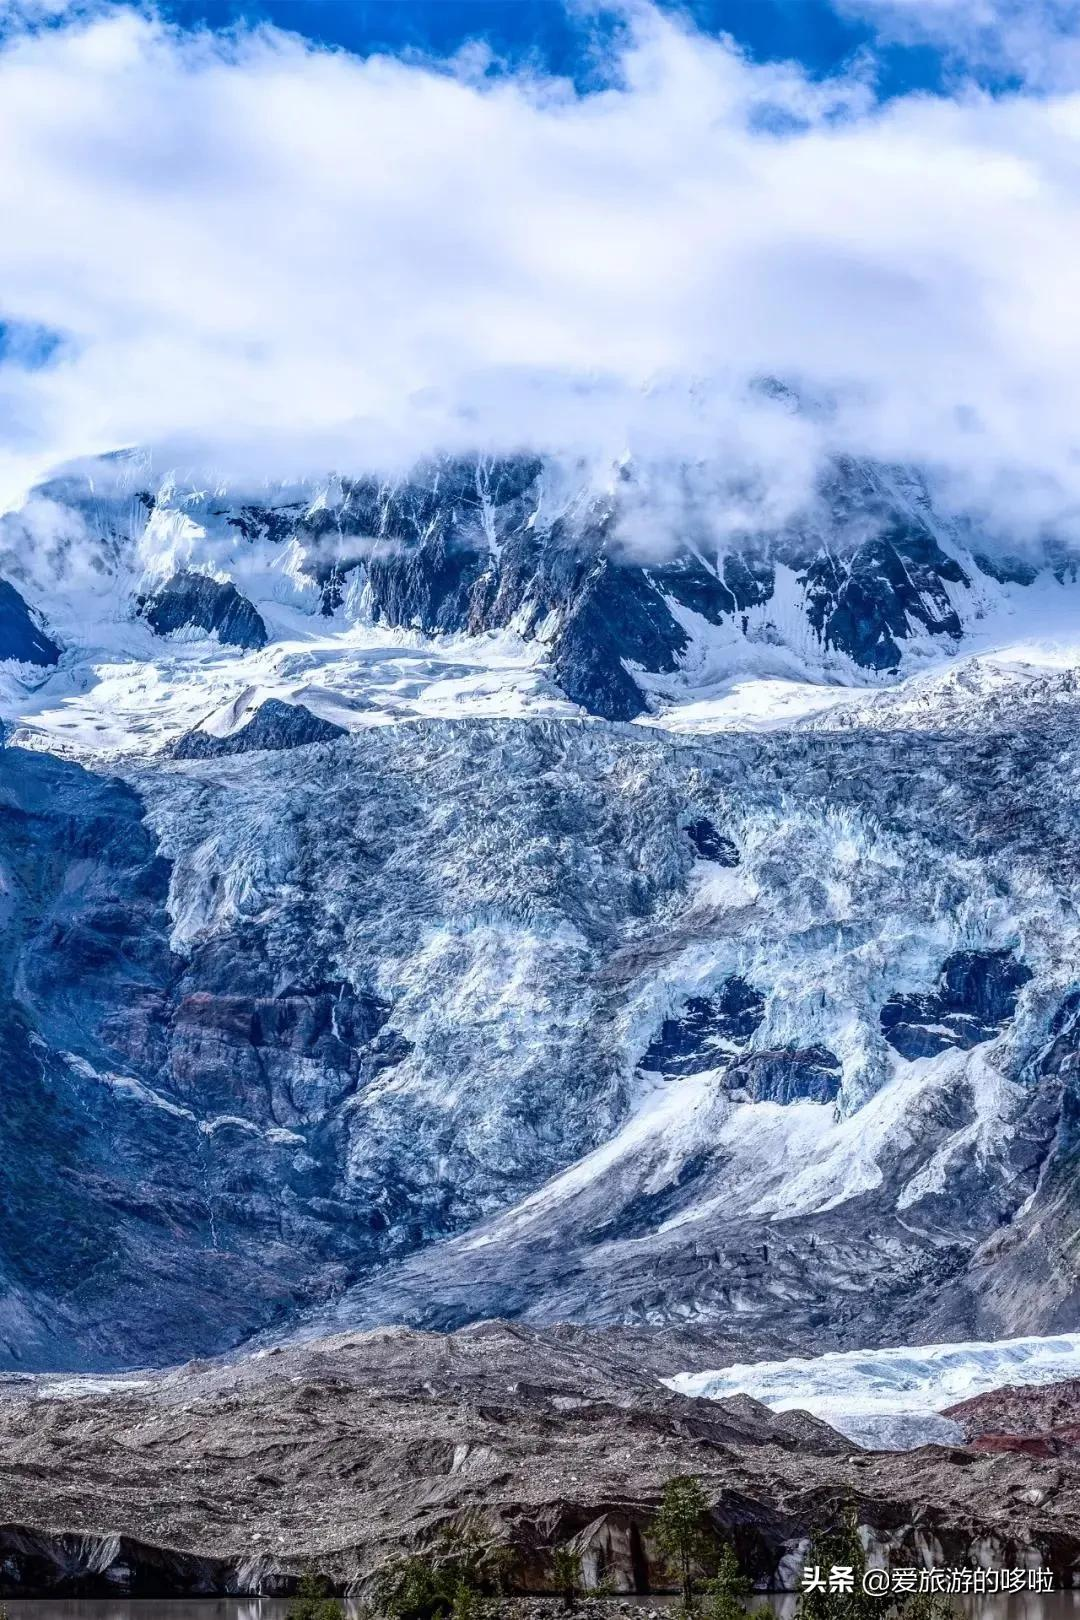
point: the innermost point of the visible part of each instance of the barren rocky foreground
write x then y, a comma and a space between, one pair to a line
1043, 1421
234, 1475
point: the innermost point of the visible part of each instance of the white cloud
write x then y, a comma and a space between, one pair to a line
280, 259
1034, 41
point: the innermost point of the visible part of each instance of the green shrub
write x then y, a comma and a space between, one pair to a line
452, 1577
683, 1533
726, 1593
313, 1601
566, 1574
413, 1588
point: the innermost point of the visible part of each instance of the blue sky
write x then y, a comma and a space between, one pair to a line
812, 32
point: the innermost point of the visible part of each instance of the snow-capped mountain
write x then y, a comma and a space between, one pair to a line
486, 587
362, 963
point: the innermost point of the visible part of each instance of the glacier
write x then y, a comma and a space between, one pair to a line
891, 1399
715, 977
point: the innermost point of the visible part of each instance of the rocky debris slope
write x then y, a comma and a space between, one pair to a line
232, 1476
974, 1000
1041, 1422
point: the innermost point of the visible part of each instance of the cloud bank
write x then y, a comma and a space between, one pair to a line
270, 259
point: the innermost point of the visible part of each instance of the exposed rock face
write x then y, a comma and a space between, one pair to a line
893, 582
191, 601
273, 726
708, 1029
976, 998
786, 1076
1041, 1421
21, 637
232, 1477
710, 844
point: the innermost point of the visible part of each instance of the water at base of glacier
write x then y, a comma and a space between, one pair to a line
891, 1400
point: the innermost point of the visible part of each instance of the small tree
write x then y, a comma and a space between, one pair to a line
448, 1578
726, 1593
468, 1604
843, 1548
682, 1532
566, 1572
313, 1600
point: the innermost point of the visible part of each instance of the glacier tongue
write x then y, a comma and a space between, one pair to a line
533, 1054
891, 1400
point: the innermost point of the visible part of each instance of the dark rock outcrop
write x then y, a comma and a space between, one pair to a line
274, 725
21, 637
710, 844
867, 607
787, 1075
975, 999
588, 666
191, 601
1007, 570
751, 580
706, 1030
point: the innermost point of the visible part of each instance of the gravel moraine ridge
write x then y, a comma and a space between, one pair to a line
233, 1476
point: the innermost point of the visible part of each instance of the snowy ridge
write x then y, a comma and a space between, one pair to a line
366, 625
